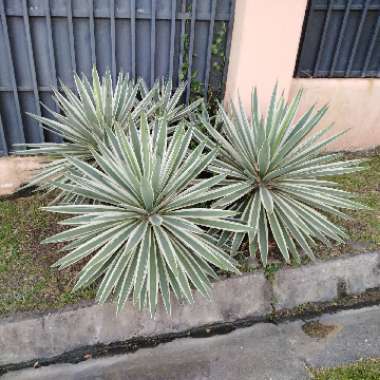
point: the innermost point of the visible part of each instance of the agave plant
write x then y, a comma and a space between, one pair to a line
168, 103
143, 234
84, 120
282, 189
88, 113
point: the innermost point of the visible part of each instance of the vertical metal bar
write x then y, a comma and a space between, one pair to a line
172, 38
357, 38
53, 72
182, 41
152, 42
113, 40
133, 37
191, 47
209, 45
371, 48
323, 38
92, 32
2, 138
51, 44
228, 43
32, 66
340, 38
20, 129
71, 34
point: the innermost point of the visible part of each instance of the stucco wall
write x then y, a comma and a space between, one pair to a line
354, 104
264, 47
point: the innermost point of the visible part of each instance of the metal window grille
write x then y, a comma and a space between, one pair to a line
341, 39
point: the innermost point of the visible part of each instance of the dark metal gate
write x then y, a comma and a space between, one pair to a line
42, 41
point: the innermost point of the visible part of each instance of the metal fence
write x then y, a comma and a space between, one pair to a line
340, 39
42, 41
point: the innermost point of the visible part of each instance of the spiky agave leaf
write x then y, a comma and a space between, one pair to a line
280, 175
167, 102
143, 235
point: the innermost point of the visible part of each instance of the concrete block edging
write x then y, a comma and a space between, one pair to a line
247, 296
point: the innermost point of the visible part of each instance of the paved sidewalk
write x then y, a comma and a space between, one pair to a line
264, 352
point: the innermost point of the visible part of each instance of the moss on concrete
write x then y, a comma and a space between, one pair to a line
316, 329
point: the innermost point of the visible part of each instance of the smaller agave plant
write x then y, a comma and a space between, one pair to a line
281, 176
85, 118
143, 230
167, 102
89, 112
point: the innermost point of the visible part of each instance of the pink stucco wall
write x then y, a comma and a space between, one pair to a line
354, 105
264, 47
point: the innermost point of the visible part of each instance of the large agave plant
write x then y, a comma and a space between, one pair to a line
89, 112
282, 190
143, 234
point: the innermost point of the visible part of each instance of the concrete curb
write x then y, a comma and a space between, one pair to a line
327, 280
248, 296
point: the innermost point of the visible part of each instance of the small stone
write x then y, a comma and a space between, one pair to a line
252, 262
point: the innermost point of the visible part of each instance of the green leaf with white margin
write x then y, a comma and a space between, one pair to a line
164, 282
262, 237
159, 154
138, 234
166, 248
254, 215
87, 248
271, 109
277, 231
225, 225
145, 146
142, 264
127, 282
204, 250
194, 271
113, 277
153, 279
147, 193
266, 198
204, 213
264, 158
108, 250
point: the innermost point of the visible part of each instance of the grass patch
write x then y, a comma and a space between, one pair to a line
363, 370
364, 226
27, 282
